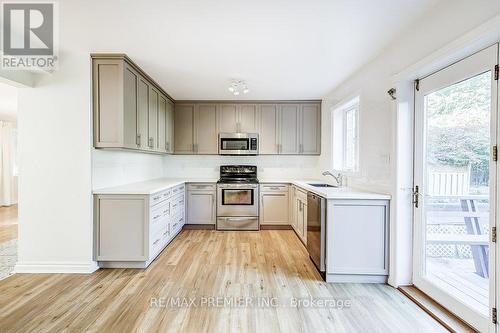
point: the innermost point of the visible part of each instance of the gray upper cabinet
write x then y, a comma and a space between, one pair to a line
169, 136
114, 104
130, 81
228, 118
205, 129
310, 129
268, 136
142, 113
196, 129
129, 108
153, 119
289, 129
238, 118
162, 124
248, 118
183, 133
284, 128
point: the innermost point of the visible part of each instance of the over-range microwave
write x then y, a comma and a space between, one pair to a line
238, 144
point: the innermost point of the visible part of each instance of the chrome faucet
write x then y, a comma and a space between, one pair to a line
338, 178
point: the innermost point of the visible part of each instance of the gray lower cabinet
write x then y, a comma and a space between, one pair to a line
274, 203
300, 214
127, 106
357, 239
131, 230
201, 203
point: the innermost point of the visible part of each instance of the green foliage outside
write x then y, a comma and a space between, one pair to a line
458, 120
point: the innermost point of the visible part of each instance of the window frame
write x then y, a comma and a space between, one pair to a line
339, 136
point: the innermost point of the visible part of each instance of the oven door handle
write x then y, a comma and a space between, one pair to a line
239, 218
238, 186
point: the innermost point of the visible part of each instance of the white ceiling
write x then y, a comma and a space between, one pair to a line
284, 49
8, 102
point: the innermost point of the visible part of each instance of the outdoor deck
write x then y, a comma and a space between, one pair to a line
457, 277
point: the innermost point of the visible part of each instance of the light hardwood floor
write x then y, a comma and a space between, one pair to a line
204, 263
8, 223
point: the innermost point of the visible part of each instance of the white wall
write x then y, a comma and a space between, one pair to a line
440, 26
379, 115
55, 183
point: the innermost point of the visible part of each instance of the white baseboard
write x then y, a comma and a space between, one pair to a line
56, 267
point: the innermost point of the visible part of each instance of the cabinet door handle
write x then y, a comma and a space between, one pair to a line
138, 140
151, 142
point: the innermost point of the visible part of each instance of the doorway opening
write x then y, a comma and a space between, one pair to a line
455, 177
9, 173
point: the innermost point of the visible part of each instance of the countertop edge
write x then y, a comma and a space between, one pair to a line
152, 186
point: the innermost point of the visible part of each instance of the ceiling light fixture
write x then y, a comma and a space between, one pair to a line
237, 87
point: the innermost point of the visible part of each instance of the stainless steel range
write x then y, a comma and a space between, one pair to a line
238, 198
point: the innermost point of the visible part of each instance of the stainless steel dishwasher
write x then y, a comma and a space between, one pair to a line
316, 230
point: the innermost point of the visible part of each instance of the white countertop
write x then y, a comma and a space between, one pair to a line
339, 192
157, 185
149, 186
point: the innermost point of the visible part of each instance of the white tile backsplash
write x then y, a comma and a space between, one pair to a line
282, 167
113, 168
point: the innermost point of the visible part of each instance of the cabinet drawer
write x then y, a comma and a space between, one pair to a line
156, 244
178, 189
301, 194
274, 188
167, 194
177, 223
237, 223
160, 197
201, 186
165, 234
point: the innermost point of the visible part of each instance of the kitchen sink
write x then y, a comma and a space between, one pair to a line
322, 185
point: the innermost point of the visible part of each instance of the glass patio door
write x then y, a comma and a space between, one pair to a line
455, 183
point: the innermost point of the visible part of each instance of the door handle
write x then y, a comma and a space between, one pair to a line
138, 140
